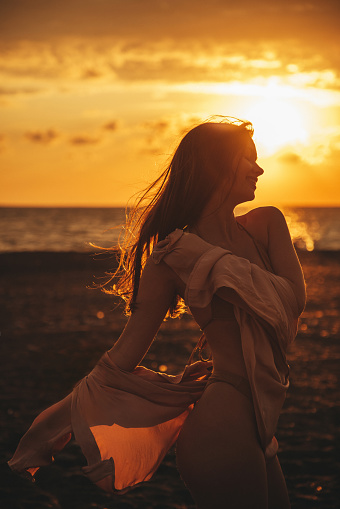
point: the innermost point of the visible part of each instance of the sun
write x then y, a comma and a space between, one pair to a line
277, 122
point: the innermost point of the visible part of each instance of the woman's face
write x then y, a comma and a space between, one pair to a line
246, 174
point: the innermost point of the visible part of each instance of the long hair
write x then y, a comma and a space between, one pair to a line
203, 159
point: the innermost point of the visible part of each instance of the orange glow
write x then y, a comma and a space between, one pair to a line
277, 123
89, 115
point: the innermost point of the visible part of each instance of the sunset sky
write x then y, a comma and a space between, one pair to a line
95, 94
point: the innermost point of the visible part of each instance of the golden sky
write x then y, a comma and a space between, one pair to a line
95, 94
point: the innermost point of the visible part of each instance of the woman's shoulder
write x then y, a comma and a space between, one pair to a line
258, 220
263, 213
268, 220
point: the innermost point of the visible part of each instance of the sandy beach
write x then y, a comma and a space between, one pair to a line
54, 329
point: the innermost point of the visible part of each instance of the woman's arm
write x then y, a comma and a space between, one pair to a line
283, 255
155, 294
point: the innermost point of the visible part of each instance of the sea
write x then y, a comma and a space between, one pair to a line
70, 229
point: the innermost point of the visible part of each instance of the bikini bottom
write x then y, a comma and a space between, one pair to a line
239, 382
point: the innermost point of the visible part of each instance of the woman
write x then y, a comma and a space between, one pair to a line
243, 283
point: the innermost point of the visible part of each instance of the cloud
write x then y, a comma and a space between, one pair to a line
290, 158
156, 136
47, 136
323, 149
175, 40
43, 137
12, 91
154, 19
3, 141
307, 176
91, 74
111, 126
64, 64
326, 78
157, 127
84, 139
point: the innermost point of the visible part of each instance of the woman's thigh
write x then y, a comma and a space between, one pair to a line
278, 497
218, 452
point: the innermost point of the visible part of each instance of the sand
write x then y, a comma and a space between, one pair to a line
54, 329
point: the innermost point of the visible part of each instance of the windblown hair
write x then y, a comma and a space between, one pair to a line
202, 161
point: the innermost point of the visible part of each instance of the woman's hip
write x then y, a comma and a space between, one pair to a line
219, 444
224, 413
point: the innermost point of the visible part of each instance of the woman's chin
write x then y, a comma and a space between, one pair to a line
245, 199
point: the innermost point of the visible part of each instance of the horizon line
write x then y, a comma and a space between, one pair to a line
121, 206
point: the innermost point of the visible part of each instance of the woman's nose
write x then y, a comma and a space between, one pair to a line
258, 169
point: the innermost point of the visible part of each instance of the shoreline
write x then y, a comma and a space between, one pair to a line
25, 260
